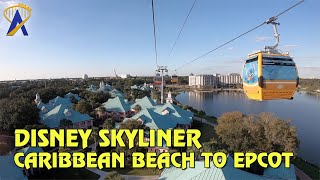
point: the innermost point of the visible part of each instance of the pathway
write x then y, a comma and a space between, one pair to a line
203, 121
301, 174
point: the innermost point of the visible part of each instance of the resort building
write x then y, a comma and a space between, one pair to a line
145, 102
160, 116
227, 172
58, 109
105, 88
54, 118
26, 151
202, 80
228, 80
216, 80
117, 108
144, 87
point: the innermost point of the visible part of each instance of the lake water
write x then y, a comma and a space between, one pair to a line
303, 110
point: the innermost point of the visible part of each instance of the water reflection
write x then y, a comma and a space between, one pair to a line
303, 110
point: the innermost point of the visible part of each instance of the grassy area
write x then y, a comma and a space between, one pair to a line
310, 169
136, 172
69, 173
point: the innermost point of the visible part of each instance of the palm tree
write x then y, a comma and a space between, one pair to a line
94, 135
137, 108
101, 111
107, 124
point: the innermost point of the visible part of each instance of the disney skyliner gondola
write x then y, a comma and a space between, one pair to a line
270, 74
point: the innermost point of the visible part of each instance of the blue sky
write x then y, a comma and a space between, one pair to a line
68, 38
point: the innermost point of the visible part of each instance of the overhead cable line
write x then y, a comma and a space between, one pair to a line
256, 27
154, 34
185, 21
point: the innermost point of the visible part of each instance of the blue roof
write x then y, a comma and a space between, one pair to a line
154, 120
9, 169
281, 172
202, 173
28, 150
145, 102
70, 95
116, 93
52, 118
117, 104
183, 116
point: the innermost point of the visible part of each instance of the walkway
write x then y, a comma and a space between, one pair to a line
301, 174
203, 121
102, 174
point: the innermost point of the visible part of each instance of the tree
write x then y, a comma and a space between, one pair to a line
107, 124
16, 113
83, 107
256, 133
95, 135
201, 113
113, 175
130, 124
137, 108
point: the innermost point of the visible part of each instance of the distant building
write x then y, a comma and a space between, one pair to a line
228, 80
202, 80
216, 80
105, 88
144, 87
124, 76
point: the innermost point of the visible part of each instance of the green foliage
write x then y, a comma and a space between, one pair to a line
16, 113
83, 107
130, 124
107, 124
256, 133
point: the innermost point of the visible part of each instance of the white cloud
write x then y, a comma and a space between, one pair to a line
263, 38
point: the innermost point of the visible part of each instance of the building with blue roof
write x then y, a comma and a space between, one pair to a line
61, 112
145, 102
227, 172
105, 88
143, 87
9, 170
58, 109
72, 96
117, 108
